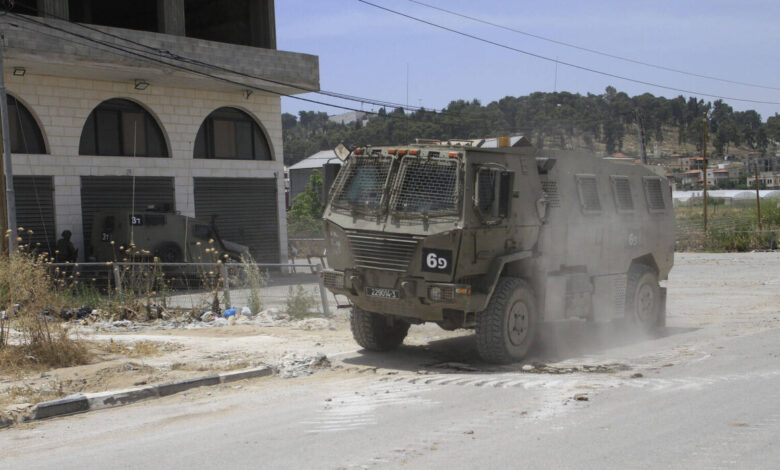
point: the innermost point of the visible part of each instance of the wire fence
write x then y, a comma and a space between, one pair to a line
207, 286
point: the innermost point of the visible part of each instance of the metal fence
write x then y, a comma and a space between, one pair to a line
186, 285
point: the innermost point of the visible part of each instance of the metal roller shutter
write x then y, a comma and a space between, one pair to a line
246, 210
35, 210
102, 193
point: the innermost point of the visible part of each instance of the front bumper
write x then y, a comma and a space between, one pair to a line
418, 298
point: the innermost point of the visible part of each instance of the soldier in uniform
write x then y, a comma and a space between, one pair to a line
64, 250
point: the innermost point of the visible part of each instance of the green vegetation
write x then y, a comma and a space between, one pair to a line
730, 228
305, 217
300, 303
602, 122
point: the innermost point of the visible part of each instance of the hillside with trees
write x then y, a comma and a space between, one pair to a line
606, 123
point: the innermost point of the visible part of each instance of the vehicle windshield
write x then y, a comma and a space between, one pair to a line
361, 183
418, 186
426, 186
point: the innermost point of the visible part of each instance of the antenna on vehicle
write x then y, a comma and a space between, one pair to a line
132, 197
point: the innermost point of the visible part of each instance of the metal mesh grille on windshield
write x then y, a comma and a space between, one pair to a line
360, 185
427, 186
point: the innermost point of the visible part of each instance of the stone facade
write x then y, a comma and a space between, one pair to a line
61, 106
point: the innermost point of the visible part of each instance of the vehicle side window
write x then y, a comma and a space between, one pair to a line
587, 188
155, 219
486, 189
505, 193
493, 193
654, 194
108, 224
201, 231
621, 190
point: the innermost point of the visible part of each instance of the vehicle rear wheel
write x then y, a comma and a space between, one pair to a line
643, 298
506, 329
377, 332
169, 252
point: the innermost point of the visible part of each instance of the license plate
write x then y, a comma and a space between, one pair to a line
383, 292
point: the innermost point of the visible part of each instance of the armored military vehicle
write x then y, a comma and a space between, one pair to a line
496, 239
168, 236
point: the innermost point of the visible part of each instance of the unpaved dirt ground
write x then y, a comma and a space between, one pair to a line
701, 394
703, 290
151, 355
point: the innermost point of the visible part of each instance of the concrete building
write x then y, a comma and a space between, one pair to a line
769, 179
173, 103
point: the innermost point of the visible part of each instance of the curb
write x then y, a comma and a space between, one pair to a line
81, 403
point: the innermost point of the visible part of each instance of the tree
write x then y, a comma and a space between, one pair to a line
305, 216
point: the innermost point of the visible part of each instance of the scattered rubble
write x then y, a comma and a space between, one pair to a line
97, 320
540, 368
292, 365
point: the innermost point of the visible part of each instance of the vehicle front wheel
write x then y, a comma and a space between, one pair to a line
377, 332
643, 298
506, 329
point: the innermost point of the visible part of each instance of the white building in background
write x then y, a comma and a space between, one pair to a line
96, 126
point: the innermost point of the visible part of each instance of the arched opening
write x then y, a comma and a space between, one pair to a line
26, 136
119, 127
229, 133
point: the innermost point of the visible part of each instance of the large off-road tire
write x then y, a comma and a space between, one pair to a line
168, 252
377, 332
644, 303
507, 328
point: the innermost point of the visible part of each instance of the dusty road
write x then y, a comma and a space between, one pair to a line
703, 395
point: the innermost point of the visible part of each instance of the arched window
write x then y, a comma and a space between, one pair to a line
230, 133
122, 128
26, 136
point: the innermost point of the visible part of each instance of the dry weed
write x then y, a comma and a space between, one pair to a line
30, 297
136, 349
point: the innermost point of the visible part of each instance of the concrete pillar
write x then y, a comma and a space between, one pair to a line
53, 9
170, 17
262, 23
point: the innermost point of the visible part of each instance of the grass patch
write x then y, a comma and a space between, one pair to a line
730, 228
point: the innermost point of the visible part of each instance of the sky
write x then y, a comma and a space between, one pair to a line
368, 52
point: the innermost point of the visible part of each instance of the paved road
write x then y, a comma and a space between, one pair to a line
703, 395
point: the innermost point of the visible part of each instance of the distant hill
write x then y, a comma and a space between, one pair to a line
605, 123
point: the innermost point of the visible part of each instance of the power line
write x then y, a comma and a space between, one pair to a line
575, 66
594, 51
171, 55
136, 53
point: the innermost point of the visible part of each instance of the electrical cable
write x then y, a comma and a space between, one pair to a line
594, 51
171, 55
190, 70
568, 64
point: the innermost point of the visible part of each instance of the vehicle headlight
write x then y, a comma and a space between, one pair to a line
434, 293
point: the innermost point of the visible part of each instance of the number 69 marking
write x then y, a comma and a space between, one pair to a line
435, 262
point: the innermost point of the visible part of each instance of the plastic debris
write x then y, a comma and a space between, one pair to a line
231, 312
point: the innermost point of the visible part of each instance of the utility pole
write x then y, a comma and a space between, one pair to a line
758, 198
9, 202
704, 168
640, 125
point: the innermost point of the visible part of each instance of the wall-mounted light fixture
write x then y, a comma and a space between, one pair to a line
247, 94
19, 71
141, 84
